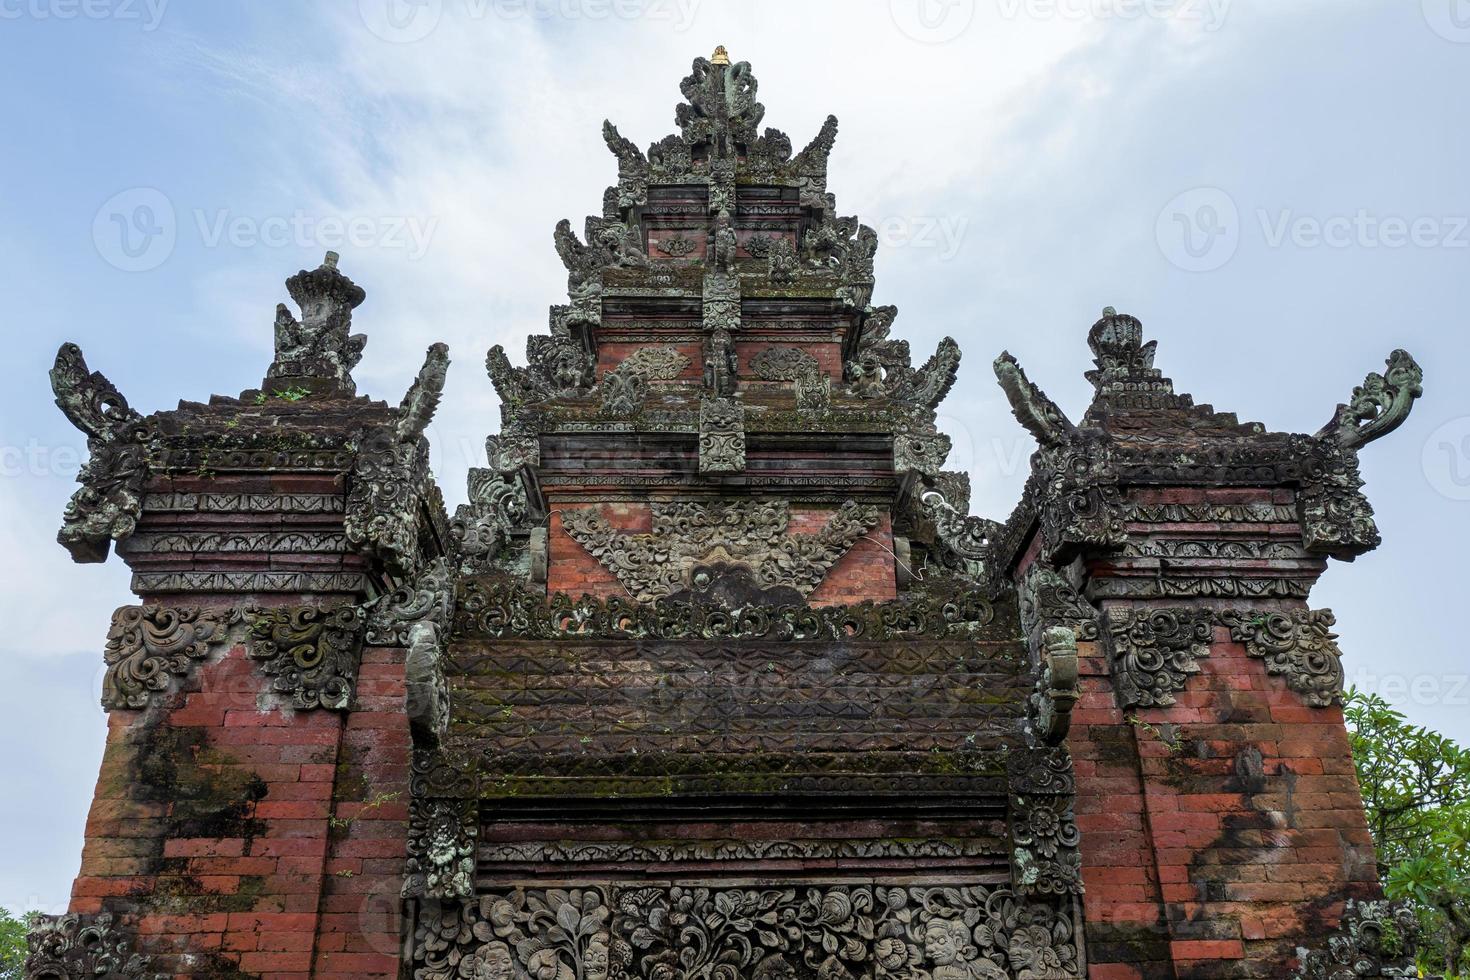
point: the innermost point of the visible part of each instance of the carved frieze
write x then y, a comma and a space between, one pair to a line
695, 543
149, 648
311, 653
1298, 645
773, 931
1155, 651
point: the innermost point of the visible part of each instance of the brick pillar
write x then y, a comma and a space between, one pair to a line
287, 550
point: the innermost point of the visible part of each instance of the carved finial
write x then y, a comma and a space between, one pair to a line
1379, 405
318, 353
1109, 311
1120, 353
720, 57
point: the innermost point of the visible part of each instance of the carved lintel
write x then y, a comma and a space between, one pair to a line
149, 648
1155, 651
721, 436
1298, 645
1373, 939
312, 653
63, 947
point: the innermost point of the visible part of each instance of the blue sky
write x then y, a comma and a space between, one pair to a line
1026, 163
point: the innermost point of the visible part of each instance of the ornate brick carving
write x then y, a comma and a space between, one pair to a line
1374, 939
150, 647
625, 387
695, 544
1298, 645
312, 653
1155, 651
721, 436
70, 947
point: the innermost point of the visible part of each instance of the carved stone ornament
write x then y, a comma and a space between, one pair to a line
813, 388
73, 947
1046, 859
773, 931
312, 653
1379, 405
721, 436
498, 609
675, 246
919, 447
1298, 645
1048, 600
1056, 687
150, 647
107, 507
320, 350
427, 701
389, 476
624, 388
426, 598
964, 540
484, 527
694, 544
1155, 651
442, 834
1374, 939
557, 367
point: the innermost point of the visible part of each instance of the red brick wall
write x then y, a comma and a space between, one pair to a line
1219, 833
235, 840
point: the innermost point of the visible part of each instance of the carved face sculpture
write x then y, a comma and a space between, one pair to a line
594, 964
944, 941
495, 963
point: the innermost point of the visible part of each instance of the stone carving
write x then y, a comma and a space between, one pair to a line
557, 367
584, 852
1048, 599
441, 848
625, 387
813, 388
965, 538
312, 653
545, 934
1046, 860
504, 610
759, 245
782, 265
70, 947
1155, 651
675, 246
1056, 688
107, 507
484, 527
1379, 405
320, 346
720, 107
721, 436
427, 701
610, 244
1298, 645
919, 447
1374, 939
149, 647
692, 544
427, 598
389, 475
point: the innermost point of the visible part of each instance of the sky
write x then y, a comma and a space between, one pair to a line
1275, 187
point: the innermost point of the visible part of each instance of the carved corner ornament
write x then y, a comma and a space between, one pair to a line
150, 648
1056, 686
1155, 651
64, 947
107, 507
1373, 939
428, 689
311, 652
1298, 645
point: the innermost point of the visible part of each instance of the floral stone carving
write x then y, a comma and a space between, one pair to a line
1155, 651
1298, 645
694, 544
70, 947
1374, 939
150, 647
312, 653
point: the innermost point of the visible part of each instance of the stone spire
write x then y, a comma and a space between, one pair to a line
317, 353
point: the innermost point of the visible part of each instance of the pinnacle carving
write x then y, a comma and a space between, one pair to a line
319, 351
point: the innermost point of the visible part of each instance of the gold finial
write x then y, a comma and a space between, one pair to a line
720, 57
